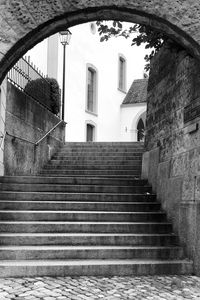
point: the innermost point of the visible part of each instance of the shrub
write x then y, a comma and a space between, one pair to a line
55, 95
46, 91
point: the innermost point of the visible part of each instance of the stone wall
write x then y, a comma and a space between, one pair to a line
172, 160
26, 122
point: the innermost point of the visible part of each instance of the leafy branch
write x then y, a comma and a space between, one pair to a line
140, 34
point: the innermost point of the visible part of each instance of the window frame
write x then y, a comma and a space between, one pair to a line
94, 125
122, 73
93, 69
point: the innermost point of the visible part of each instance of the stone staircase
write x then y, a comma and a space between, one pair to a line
87, 213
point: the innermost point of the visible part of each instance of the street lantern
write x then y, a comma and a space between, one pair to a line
65, 37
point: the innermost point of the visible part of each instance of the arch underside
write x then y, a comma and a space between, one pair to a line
26, 23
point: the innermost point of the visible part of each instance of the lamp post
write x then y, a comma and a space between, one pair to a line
65, 37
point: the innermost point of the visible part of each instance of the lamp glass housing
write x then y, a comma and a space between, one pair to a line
65, 37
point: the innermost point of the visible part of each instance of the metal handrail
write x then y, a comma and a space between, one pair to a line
46, 134
19, 138
2, 137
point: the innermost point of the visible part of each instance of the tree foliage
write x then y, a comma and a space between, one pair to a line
140, 34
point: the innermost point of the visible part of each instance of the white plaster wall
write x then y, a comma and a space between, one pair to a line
3, 93
86, 48
52, 56
130, 115
38, 56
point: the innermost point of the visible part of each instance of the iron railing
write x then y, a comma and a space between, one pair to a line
24, 72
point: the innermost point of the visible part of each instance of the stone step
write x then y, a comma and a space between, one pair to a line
73, 180
76, 216
88, 158
98, 156
74, 188
100, 197
101, 175
91, 162
103, 145
103, 150
87, 213
70, 172
90, 267
89, 252
92, 239
86, 227
93, 167
100, 152
111, 144
77, 206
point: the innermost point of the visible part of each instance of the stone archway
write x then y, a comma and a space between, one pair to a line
25, 23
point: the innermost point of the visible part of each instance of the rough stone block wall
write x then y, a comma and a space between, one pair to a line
173, 146
27, 119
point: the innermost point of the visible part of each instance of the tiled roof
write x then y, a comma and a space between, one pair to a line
137, 92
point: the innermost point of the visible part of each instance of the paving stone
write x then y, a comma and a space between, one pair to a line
91, 288
4, 294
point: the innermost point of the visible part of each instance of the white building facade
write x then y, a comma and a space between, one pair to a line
98, 76
133, 112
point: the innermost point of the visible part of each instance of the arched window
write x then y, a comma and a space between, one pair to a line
90, 132
91, 104
140, 131
122, 73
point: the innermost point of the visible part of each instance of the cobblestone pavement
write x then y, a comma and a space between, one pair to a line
114, 288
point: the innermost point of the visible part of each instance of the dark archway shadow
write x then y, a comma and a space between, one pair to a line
91, 14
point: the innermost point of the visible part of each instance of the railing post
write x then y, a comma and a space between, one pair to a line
28, 67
